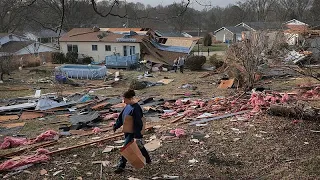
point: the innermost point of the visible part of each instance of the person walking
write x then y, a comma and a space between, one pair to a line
133, 109
175, 65
181, 63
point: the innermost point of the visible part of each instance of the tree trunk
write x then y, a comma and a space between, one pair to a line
294, 111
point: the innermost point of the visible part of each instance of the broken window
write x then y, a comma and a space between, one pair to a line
107, 47
94, 47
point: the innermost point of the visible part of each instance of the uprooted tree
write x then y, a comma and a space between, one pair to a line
247, 55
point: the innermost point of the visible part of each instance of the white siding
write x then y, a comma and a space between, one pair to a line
31, 36
85, 48
35, 48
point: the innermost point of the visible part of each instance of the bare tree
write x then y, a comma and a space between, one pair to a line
254, 51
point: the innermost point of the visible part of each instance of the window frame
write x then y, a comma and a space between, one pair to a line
94, 49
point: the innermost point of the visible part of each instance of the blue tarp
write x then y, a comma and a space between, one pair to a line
121, 61
170, 48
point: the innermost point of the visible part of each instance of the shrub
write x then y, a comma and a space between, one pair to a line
207, 40
137, 85
215, 61
87, 60
195, 63
72, 57
58, 58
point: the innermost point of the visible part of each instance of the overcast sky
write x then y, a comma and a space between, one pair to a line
194, 4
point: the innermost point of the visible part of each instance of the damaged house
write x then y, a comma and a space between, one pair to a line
121, 47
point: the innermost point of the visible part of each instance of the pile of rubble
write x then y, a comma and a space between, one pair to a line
88, 114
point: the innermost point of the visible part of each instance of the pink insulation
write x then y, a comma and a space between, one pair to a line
111, 116
46, 136
96, 130
170, 114
11, 142
40, 156
177, 132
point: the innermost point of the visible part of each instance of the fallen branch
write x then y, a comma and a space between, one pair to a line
295, 112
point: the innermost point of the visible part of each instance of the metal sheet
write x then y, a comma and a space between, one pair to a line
17, 107
219, 117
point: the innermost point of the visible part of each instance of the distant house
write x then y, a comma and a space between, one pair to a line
99, 43
229, 34
45, 36
12, 44
24, 51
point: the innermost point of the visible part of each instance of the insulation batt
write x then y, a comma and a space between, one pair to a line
40, 156
10, 142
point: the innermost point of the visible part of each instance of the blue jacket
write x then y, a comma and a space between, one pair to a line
136, 112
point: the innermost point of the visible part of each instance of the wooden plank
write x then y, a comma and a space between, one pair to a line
13, 125
9, 117
177, 119
219, 117
225, 84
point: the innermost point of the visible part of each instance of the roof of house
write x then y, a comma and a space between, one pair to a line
233, 29
169, 33
181, 41
3, 34
263, 25
47, 33
295, 22
166, 57
89, 35
122, 29
14, 46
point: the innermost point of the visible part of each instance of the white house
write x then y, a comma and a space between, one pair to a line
45, 36
12, 44
8, 37
96, 43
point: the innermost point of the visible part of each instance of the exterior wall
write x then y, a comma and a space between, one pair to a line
35, 48
224, 35
6, 39
291, 38
85, 48
31, 36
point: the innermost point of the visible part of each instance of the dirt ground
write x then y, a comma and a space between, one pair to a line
263, 147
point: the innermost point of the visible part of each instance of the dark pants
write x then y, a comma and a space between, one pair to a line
175, 68
144, 152
181, 69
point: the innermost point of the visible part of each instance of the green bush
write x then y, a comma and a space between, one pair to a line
215, 61
72, 57
195, 63
207, 40
87, 60
58, 58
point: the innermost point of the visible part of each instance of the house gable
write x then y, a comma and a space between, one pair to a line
11, 37
246, 26
295, 22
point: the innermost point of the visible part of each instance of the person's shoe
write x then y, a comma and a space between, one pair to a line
119, 170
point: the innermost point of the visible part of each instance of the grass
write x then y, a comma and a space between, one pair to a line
213, 47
